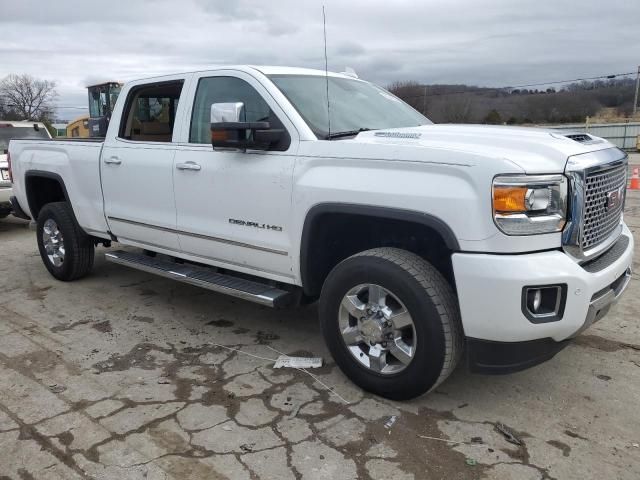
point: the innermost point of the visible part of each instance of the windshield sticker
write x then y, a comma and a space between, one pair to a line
398, 135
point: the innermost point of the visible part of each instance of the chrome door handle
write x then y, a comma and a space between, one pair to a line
113, 161
188, 166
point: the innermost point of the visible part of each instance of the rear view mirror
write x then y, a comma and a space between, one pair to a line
229, 131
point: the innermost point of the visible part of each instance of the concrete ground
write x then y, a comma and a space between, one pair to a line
123, 375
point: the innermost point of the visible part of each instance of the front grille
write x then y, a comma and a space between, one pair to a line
600, 220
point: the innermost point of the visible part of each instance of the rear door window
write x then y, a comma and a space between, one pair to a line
150, 112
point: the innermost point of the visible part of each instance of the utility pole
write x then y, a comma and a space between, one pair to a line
635, 99
424, 99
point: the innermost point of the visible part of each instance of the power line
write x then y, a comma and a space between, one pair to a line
513, 87
610, 76
508, 87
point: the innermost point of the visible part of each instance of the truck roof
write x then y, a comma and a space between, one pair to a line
275, 70
264, 69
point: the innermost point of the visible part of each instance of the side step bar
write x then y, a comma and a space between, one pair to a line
202, 277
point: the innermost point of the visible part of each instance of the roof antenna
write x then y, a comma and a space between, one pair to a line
326, 72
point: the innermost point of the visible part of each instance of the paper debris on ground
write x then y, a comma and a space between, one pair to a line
509, 435
389, 423
298, 362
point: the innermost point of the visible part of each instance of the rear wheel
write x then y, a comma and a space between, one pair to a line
66, 250
391, 322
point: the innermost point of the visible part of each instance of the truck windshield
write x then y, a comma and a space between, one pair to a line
355, 105
9, 132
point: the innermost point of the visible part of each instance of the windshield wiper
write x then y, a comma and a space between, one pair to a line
348, 133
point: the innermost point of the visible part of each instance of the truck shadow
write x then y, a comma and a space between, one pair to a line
11, 224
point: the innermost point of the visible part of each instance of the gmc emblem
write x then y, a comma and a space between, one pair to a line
614, 198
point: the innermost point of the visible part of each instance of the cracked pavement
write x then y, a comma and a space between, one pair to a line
124, 375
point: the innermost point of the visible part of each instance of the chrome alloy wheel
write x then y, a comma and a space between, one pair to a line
377, 329
53, 242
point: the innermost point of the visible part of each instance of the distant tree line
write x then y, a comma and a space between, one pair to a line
23, 97
470, 104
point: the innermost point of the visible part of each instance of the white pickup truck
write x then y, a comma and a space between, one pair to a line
420, 241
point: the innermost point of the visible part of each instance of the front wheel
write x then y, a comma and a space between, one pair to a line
391, 322
66, 250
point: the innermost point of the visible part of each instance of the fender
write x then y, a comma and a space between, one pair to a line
43, 174
52, 176
425, 219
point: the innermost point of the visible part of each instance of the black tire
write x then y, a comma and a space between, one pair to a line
429, 299
78, 246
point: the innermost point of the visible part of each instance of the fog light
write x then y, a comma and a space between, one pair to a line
544, 303
537, 300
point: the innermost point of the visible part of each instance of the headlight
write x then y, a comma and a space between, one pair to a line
530, 204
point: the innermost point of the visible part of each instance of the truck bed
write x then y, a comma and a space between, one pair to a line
61, 139
74, 163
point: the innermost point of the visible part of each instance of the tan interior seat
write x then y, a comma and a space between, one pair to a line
153, 132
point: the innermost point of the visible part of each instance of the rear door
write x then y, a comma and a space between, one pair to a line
234, 207
137, 166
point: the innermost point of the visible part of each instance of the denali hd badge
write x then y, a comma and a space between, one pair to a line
255, 225
412, 135
614, 198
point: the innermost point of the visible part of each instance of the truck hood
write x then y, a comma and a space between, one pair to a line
535, 150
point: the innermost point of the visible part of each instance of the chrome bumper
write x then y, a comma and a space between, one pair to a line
5, 194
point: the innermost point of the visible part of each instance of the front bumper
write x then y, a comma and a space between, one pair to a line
495, 358
490, 292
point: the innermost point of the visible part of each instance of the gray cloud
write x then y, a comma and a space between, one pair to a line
497, 42
350, 48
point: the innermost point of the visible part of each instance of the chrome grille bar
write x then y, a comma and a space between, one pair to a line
600, 219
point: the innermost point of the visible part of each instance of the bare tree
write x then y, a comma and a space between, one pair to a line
411, 92
455, 109
30, 98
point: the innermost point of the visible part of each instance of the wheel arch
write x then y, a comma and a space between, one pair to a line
312, 276
42, 187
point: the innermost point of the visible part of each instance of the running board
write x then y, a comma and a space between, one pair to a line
202, 277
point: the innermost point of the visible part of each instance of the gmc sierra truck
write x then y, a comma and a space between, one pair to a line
283, 185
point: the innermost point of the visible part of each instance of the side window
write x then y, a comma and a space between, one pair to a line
222, 90
150, 112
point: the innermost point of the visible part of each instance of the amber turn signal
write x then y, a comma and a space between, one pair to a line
219, 135
509, 199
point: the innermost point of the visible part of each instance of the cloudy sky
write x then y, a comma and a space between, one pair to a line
481, 42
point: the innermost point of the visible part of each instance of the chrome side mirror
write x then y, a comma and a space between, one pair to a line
231, 112
230, 131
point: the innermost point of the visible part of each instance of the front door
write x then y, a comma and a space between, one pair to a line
137, 169
234, 207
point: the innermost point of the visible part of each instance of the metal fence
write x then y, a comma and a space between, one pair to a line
623, 135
